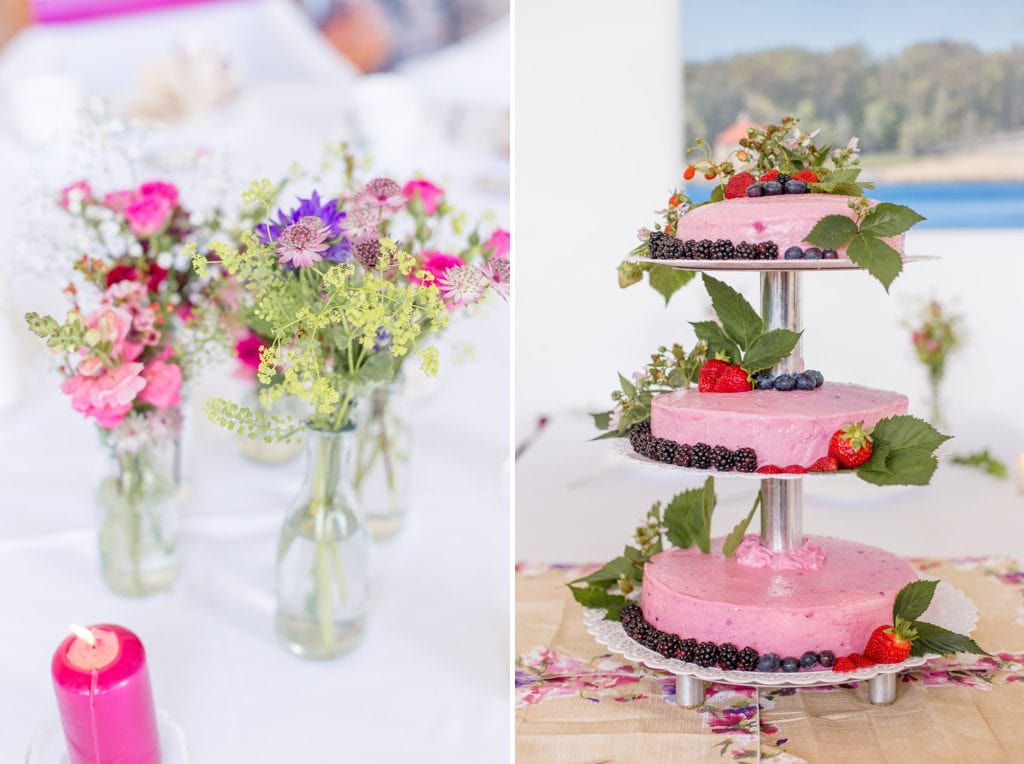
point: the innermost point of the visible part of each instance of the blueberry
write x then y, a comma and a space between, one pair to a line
809, 659
789, 665
785, 382
812, 253
793, 253
796, 187
805, 382
768, 663
819, 378
764, 380
782, 179
755, 189
830, 254
827, 658
772, 188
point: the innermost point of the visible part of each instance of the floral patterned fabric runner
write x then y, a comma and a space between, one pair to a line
575, 702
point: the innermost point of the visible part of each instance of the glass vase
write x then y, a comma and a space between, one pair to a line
322, 559
275, 452
139, 519
382, 458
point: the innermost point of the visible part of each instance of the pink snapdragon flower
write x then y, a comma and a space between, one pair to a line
108, 396
430, 195
79, 192
161, 189
303, 243
148, 215
500, 243
119, 200
163, 383
436, 264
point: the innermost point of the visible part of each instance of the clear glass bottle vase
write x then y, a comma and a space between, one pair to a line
139, 508
323, 555
383, 445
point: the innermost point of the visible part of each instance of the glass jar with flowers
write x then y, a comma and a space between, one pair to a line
337, 324
138, 323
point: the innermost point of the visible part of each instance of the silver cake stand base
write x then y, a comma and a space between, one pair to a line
690, 690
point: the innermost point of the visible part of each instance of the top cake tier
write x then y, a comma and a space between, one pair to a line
784, 220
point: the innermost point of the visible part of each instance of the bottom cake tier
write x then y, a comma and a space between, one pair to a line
828, 595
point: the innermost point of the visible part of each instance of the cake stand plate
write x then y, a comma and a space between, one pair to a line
48, 745
690, 678
770, 265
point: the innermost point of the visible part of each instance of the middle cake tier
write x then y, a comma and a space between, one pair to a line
782, 428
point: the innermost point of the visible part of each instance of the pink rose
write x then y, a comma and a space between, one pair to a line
113, 324
79, 192
148, 215
499, 243
161, 189
429, 194
107, 397
247, 349
119, 200
436, 264
163, 385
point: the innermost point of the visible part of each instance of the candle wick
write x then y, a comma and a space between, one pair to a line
84, 634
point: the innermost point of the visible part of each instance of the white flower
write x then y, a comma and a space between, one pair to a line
165, 260
135, 249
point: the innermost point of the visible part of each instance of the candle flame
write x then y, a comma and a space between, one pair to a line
83, 633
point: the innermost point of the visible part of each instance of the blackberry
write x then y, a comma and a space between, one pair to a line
700, 456
727, 656
683, 455
662, 450
630, 614
663, 246
649, 637
744, 460
721, 459
687, 649
705, 654
688, 246
722, 249
768, 250
747, 659
640, 436
782, 179
667, 645
702, 249
746, 251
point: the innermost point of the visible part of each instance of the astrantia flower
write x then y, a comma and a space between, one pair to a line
498, 273
367, 250
382, 192
303, 243
329, 213
462, 285
436, 264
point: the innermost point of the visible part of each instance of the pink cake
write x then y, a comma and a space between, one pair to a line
830, 595
783, 428
785, 219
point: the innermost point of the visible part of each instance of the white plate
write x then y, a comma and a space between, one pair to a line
612, 635
48, 745
770, 265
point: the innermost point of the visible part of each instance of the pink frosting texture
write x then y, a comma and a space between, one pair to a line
784, 219
836, 607
753, 554
783, 428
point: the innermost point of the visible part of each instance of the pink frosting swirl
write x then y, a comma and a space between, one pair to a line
752, 554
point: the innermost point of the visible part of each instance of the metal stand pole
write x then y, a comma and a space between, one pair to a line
881, 689
689, 691
782, 500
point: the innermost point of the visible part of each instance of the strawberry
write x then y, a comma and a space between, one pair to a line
824, 464
842, 665
807, 176
862, 661
794, 469
734, 379
770, 175
689, 172
709, 374
890, 644
851, 445
737, 185
769, 469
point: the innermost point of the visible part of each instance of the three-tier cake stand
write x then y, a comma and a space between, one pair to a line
781, 507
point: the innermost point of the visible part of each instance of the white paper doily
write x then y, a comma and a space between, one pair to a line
612, 635
770, 265
48, 745
951, 609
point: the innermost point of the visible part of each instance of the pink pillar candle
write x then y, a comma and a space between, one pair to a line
105, 699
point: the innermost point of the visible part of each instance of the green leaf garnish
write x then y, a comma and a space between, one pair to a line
602, 419
935, 639
885, 219
732, 541
666, 280
714, 336
768, 349
832, 232
608, 573
903, 452
913, 599
590, 596
627, 387
739, 320
875, 256
684, 518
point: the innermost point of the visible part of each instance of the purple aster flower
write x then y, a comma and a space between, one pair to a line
331, 216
